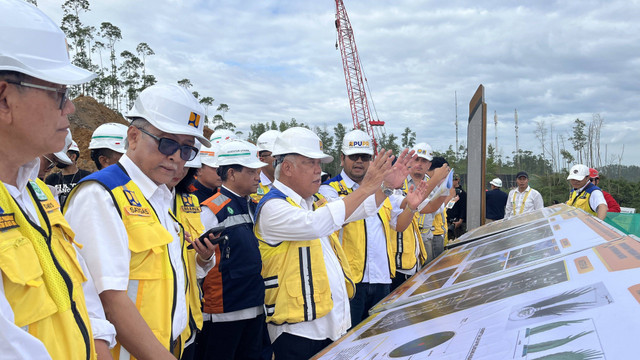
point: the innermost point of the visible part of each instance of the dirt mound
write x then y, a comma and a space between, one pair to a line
88, 116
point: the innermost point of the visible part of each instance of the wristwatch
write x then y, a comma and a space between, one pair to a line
386, 190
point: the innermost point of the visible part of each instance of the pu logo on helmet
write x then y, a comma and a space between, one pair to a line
320, 144
359, 143
422, 151
194, 120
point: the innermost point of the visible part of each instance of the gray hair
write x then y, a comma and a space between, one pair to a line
280, 159
140, 123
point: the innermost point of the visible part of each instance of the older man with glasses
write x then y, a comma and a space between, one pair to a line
132, 240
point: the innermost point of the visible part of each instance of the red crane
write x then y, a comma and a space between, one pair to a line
354, 78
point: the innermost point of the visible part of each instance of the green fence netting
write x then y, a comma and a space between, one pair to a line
629, 223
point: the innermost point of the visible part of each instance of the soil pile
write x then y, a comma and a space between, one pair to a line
88, 116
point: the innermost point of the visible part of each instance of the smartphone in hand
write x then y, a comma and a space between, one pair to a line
215, 231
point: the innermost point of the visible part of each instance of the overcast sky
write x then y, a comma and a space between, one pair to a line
553, 61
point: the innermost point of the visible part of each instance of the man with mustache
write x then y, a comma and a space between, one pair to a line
132, 241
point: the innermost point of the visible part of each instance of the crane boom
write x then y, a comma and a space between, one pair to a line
354, 77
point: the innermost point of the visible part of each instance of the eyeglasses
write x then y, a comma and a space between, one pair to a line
60, 91
355, 157
168, 147
52, 163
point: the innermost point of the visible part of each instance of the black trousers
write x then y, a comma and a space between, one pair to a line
231, 340
292, 347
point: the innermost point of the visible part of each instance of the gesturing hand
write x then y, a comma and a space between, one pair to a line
394, 177
416, 195
377, 171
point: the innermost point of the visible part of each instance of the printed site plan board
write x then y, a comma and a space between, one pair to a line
582, 303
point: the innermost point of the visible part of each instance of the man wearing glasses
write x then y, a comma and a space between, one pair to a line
131, 239
365, 242
48, 304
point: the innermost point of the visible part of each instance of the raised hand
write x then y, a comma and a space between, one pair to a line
394, 178
379, 167
416, 195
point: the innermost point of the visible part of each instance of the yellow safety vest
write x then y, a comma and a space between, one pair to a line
353, 237
187, 209
288, 266
581, 199
151, 275
262, 191
404, 246
42, 277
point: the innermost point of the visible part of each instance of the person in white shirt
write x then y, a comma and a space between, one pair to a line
40, 317
523, 199
286, 223
122, 214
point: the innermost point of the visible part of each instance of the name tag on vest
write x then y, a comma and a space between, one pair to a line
7, 221
137, 210
191, 209
50, 205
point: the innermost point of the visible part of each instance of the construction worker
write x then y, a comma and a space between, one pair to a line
234, 289
409, 249
107, 144
49, 308
439, 225
523, 199
429, 208
585, 195
133, 242
267, 174
187, 210
51, 160
366, 243
306, 274
612, 204
495, 201
69, 176
207, 181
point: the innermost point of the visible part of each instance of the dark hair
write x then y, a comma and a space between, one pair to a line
438, 162
77, 153
96, 153
183, 186
14, 75
224, 170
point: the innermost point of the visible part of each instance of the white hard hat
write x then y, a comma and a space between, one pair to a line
73, 146
109, 136
299, 140
241, 153
423, 150
62, 154
196, 162
578, 172
172, 109
496, 182
222, 135
34, 45
209, 157
267, 139
357, 142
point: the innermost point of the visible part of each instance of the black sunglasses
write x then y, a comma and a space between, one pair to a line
168, 147
355, 157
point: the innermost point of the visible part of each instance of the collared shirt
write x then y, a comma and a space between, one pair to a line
533, 202
280, 221
107, 250
17, 343
376, 269
244, 314
596, 199
264, 180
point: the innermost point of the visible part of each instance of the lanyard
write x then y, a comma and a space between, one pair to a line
523, 201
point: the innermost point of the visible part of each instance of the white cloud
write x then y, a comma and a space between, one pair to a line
273, 60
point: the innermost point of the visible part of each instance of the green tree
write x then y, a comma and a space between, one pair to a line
129, 70
112, 34
335, 150
79, 36
388, 142
143, 49
185, 83
206, 102
408, 138
579, 139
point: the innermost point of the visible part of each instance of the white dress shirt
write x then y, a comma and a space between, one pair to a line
376, 269
280, 221
15, 342
264, 180
533, 202
98, 226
